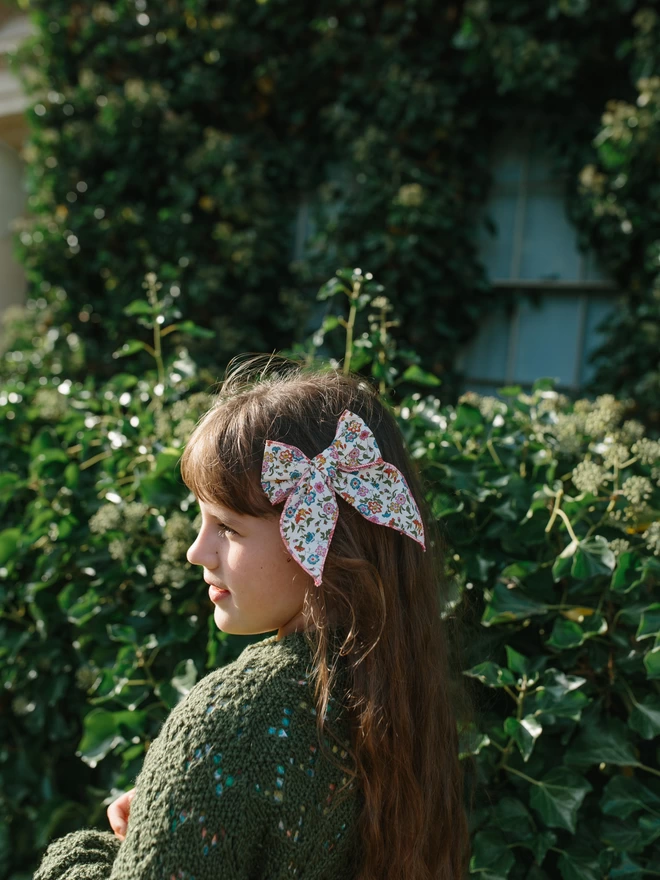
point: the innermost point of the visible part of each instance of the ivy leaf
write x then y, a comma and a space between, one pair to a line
330, 288
9, 485
647, 569
624, 576
103, 731
118, 632
510, 390
524, 732
185, 676
611, 156
518, 571
130, 347
467, 416
645, 717
626, 869
625, 795
557, 797
527, 670
140, 307
579, 864
491, 858
415, 374
606, 741
194, 330
621, 836
652, 660
517, 662
649, 625
571, 634
478, 567
9, 539
562, 564
165, 461
472, 741
593, 557
558, 696
491, 674
505, 605
540, 844
512, 816
649, 827
467, 36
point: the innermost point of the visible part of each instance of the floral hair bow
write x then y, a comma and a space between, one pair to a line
352, 467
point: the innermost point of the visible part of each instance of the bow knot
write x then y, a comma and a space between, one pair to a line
351, 467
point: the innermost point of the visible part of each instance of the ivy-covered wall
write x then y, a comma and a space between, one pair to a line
180, 138
618, 203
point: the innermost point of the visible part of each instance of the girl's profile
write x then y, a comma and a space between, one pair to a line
329, 749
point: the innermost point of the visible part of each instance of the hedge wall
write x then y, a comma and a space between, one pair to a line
182, 137
552, 513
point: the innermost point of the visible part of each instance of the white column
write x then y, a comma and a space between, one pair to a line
12, 205
14, 27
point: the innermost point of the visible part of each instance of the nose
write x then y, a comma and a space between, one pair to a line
201, 551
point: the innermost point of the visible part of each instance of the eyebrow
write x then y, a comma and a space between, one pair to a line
227, 517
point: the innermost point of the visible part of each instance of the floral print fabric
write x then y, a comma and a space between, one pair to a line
352, 467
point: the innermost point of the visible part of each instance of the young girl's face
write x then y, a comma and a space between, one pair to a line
246, 555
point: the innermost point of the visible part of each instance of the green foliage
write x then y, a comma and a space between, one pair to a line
552, 511
620, 208
374, 349
103, 622
182, 138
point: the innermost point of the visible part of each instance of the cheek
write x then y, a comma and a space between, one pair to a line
249, 560
234, 555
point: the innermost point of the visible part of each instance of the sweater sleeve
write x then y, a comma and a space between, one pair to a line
194, 815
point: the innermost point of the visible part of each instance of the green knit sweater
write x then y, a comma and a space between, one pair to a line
234, 786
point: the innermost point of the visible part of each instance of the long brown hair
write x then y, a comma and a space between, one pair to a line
387, 596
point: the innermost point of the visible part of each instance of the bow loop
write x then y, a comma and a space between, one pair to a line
351, 467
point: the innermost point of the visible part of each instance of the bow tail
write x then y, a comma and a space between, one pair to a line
381, 494
308, 523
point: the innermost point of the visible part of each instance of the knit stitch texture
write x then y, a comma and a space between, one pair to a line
234, 787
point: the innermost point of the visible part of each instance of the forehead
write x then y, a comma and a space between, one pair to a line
215, 509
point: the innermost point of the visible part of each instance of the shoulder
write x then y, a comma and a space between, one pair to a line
223, 716
264, 671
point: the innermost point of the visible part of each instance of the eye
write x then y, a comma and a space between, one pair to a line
224, 530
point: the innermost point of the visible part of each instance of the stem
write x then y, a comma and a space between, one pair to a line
125, 480
553, 516
485, 521
568, 525
519, 700
557, 511
349, 327
157, 354
511, 694
383, 343
491, 449
522, 775
94, 459
648, 769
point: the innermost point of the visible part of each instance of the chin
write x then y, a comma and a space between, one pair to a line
235, 629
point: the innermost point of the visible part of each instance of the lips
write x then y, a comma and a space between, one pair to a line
216, 593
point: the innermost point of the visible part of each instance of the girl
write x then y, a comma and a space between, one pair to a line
330, 749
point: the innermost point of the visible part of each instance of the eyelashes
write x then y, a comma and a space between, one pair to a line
224, 530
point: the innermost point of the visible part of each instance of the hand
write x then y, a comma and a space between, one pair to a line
118, 813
